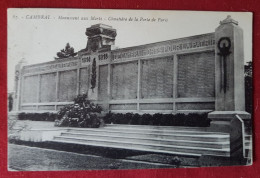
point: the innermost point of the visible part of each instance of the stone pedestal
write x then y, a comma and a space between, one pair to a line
231, 122
100, 37
229, 115
92, 94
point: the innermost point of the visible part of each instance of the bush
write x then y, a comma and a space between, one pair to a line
108, 118
37, 116
158, 119
79, 114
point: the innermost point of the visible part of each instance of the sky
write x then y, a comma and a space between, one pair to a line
36, 35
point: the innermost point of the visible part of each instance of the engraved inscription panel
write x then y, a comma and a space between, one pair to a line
50, 67
200, 41
124, 80
102, 89
30, 88
84, 80
157, 78
48, 87
196, 75
67, 85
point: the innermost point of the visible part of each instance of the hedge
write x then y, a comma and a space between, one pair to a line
191, 120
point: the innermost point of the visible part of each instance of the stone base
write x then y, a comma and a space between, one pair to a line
228, 115
231, 122
92, 94
222, 119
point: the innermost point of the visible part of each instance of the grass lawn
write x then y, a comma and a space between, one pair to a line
26, 158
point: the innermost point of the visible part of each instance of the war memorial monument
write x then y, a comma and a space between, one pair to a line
195, 74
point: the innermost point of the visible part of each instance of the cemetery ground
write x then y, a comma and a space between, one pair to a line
32, 156
26, 158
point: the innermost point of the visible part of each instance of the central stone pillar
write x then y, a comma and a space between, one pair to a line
100, 39
229, 115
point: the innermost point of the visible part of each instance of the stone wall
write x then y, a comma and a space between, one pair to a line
170, 76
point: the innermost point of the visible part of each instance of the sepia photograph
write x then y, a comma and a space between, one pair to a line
92, 89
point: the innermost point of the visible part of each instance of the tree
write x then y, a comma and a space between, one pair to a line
249, 87
68, 51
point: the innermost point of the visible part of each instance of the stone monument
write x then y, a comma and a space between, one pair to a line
229, 115
100, 38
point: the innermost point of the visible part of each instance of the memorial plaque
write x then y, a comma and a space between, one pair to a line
84, 79
157, 78
102, 89
196, 75
47, 87
124, 80
67, 85
30, 88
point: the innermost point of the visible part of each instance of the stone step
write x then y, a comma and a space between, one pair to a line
161, 131
174, 136
248, 147
248, 137
247, 143
101, 144
172, 149
124, 126
248, 153
140, 139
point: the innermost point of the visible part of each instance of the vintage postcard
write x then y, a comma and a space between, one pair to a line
102, 89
